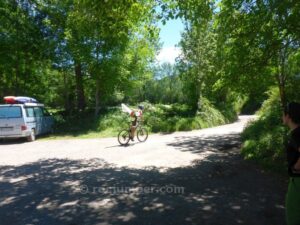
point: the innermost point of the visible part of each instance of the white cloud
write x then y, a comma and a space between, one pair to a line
168, 54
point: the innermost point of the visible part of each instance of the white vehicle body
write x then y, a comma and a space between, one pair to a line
24, 120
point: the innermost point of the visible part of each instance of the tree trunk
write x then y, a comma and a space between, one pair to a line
281, 86
97, 98
17, 71
79, 86
67, 102
198, 93
281, 78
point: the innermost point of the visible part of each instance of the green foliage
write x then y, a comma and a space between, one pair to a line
72, 54
203, 69
181, 117
84, 124
210, 114
107, 45
23, 46
198, 63
164, 118
257, 43
264, 138
158, 118
252, 104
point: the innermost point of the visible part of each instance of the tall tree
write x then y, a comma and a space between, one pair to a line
112, 27
23, 45
198, 58
259, 41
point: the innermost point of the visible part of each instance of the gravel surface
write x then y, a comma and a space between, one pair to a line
195, 177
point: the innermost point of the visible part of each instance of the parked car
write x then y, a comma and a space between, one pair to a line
24, 120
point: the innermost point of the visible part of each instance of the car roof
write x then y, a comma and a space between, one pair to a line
25, 104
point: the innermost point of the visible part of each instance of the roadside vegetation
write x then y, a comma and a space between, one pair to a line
157, 118
263, 139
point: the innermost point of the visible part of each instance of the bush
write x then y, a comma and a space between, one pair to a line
209, 115
158, 118
181, 117
263, 139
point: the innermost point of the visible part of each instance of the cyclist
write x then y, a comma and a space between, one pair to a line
137, 115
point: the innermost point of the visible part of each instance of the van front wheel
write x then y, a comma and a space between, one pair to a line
31, 137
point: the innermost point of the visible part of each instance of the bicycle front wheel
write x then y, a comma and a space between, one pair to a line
123, 137
142, 134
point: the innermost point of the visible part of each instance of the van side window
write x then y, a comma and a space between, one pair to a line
38, 111
29, 112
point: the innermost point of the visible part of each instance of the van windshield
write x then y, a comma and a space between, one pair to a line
10, 112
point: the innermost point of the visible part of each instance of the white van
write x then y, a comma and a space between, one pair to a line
24, 120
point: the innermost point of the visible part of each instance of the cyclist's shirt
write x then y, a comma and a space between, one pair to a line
136, 115
292, 150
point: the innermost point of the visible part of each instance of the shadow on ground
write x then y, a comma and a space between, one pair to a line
200, 144
221, 189
12, 141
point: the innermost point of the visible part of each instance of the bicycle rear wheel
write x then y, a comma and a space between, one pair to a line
142, 134
123, 137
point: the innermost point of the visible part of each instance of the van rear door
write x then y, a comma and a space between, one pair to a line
11, 120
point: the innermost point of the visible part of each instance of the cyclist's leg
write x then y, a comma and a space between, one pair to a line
133, 128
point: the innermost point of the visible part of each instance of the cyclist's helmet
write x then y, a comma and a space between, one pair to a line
141, 107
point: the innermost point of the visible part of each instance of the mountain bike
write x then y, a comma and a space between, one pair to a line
124, 135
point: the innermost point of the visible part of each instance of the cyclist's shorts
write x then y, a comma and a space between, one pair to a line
134, 122
293, 202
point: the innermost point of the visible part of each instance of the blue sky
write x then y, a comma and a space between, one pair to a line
170, 32
170, 36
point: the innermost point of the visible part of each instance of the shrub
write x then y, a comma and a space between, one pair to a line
263, 139
158, 118
209, 115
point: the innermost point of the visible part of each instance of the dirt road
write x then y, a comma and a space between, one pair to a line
182, 178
